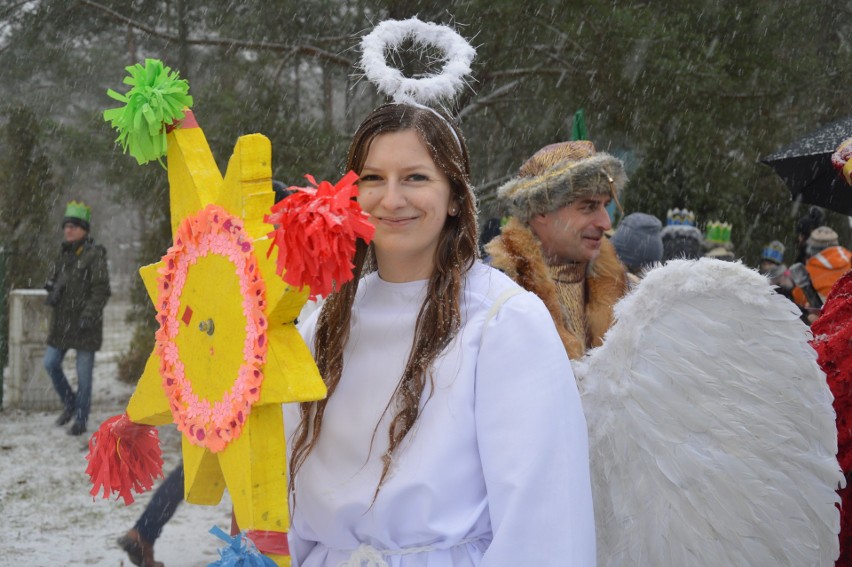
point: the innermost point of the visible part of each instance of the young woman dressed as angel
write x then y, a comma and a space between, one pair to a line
452, 434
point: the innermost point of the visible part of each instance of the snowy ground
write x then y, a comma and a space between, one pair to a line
48, 516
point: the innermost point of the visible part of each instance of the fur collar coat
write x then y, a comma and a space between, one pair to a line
517, 252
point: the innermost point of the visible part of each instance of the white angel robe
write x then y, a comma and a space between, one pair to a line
495, 470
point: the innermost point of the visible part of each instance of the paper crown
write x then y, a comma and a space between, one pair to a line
680, 217
78, 210
718, 233
773, 252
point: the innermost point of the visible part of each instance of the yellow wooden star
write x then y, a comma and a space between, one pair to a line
211, 331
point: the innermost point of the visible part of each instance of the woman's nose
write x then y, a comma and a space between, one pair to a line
393, 196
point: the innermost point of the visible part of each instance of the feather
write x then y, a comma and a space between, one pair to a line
711, 426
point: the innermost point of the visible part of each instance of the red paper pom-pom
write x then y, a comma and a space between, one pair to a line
317, 230
124, 457
833, 343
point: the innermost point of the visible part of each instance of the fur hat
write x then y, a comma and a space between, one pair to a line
681, 241
637, 241
773, 252
78, 213
681, 238
821, 238
559, 174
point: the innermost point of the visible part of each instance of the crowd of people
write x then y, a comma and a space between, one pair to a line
642, 242
454, 433
476, 391
440, 383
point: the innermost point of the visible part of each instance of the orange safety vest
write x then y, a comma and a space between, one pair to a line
825, 268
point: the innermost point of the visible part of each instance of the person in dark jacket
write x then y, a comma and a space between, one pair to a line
77, 290
813, 219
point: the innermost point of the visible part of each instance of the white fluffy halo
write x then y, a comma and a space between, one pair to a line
389, 34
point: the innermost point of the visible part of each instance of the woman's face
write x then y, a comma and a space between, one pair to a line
408, 199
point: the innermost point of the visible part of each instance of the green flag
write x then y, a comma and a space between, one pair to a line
578, 127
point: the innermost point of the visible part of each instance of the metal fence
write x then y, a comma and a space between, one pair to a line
117, 331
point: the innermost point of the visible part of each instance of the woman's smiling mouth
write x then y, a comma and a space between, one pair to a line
395, 221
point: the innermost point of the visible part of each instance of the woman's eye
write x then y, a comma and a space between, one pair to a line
417, 177
369, 178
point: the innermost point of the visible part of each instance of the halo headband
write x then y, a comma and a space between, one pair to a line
389, 34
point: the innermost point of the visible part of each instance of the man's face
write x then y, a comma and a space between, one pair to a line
73, 232
574, 232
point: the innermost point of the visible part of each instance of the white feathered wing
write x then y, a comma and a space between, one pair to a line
711, 428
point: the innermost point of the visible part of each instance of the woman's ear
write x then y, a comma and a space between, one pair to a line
454, 208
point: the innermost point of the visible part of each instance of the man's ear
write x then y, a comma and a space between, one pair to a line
537, 220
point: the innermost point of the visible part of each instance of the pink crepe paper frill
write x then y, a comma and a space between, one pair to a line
124, 457
317, 228
211, 424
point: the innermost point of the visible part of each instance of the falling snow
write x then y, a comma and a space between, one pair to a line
49, 517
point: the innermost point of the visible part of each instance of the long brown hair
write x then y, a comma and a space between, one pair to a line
439, 318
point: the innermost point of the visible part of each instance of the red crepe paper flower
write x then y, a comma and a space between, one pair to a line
317, 230
124, 456
833, 343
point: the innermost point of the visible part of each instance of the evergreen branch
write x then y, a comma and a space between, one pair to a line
738, 96
6, 13
486, 100
225, 42
509, 73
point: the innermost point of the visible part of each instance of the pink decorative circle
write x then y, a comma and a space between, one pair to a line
211, 231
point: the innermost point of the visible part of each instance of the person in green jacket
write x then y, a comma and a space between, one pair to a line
77, 290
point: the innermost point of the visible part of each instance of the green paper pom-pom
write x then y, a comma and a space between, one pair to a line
157, 99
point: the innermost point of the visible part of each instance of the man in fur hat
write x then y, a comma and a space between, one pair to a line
554, 244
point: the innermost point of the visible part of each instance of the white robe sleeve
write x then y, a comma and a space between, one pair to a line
533, 442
